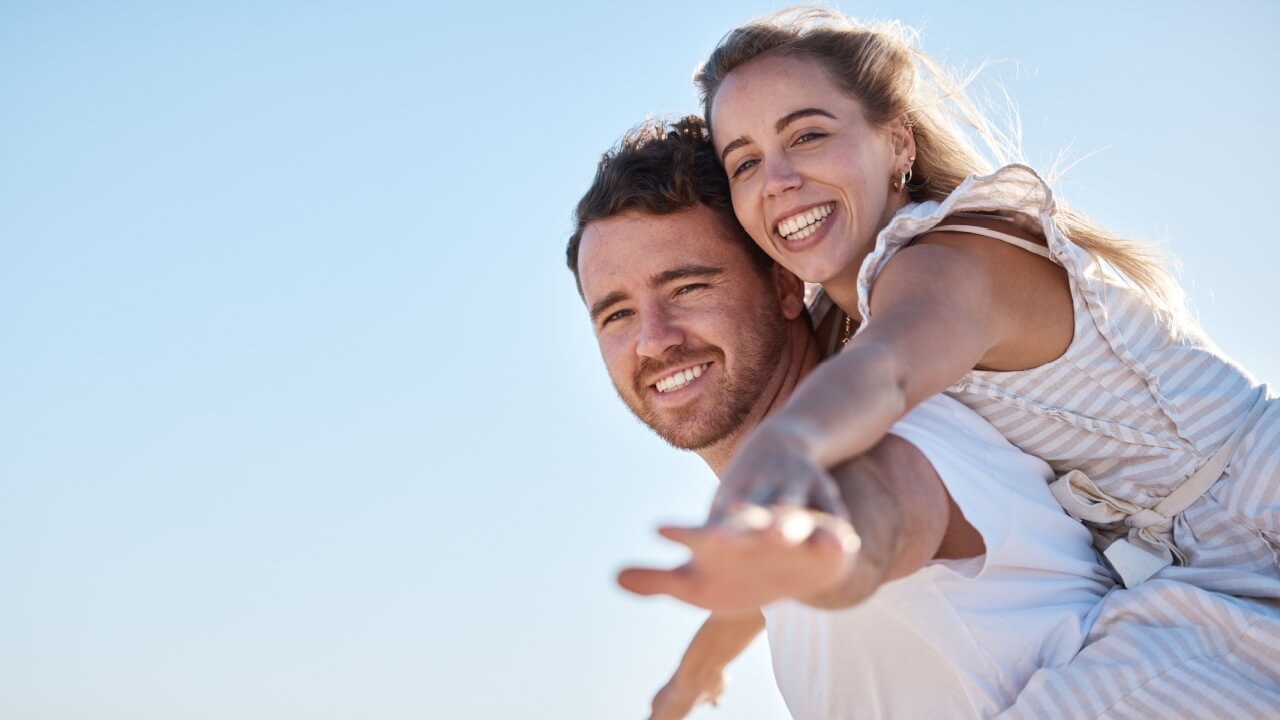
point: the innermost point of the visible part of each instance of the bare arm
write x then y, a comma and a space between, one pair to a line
904, 517
942, 307
901, 516
700, 676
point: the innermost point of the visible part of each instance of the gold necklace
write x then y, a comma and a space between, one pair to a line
848, 330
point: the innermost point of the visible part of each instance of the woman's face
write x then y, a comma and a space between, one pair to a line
810, 176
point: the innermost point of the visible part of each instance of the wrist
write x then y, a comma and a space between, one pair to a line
697, 676
801, 436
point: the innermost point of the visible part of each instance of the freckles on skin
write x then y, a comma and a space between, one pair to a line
798, 142
691, 297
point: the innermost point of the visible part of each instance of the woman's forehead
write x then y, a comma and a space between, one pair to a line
763, 91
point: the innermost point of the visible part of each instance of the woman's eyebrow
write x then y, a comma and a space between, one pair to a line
789, 118
779, 126
731, 147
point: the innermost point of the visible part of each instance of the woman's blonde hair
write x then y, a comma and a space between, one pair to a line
881, 66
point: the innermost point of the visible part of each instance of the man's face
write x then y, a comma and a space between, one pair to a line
690, 331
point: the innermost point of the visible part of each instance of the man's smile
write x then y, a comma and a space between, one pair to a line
680, 378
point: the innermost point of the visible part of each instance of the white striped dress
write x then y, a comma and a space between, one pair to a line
1137, 410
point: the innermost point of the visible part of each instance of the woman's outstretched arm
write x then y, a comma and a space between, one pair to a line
900, 517
941, 307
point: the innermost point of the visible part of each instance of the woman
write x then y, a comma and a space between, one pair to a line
847, 167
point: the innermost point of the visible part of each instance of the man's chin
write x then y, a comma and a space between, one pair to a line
693, 435
696, 426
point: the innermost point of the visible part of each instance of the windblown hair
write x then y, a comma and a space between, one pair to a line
660, 167
880, 66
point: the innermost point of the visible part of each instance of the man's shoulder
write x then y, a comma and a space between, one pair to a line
962, 446
944, 419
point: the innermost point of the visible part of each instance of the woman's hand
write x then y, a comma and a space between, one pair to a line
773, 467
682, 694
752, 557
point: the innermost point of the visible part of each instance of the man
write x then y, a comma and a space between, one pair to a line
952, 560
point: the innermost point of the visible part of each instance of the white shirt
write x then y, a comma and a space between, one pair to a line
956, 638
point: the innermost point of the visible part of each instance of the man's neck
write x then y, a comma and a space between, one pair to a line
802, 355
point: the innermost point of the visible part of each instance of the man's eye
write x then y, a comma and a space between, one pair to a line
615, 316
744, 166
691, 287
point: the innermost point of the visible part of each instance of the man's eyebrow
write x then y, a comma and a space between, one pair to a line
684, 271
666, 276
779, 126
605, 302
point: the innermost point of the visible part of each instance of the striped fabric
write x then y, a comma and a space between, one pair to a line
1166, 649
1138, 410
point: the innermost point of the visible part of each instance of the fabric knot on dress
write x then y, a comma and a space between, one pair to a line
1135, 556
1147, 518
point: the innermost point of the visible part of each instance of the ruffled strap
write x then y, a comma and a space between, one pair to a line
1012, 190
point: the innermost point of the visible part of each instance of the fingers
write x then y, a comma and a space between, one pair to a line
689, 536
744, 517
652, 581
841, 532
793, 524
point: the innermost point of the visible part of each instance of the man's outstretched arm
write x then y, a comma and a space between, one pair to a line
701, 675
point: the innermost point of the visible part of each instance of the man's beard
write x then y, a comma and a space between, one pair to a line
718, 412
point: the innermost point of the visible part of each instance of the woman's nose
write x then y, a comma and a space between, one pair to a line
780, 176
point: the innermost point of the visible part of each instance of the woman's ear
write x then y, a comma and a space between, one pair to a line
902, 134
790, 291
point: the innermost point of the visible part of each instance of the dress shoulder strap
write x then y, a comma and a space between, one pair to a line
1027, 245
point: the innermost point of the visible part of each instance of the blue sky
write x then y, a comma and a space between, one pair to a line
300, 415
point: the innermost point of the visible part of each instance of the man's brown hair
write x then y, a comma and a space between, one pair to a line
659, 167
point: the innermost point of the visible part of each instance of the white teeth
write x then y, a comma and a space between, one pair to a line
680, 378
806, 232
802, 225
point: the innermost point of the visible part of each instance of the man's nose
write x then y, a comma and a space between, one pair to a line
780, 175
658, 333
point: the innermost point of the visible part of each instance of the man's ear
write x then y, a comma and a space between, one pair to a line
790, 291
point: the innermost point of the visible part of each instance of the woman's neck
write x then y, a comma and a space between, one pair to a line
843, 291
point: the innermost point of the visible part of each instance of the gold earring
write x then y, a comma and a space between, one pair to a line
901, 182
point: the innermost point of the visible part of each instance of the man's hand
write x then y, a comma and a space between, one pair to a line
752, 557
681, 695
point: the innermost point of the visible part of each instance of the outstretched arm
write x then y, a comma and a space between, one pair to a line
901, 517
905, 517
948, 304
701, 675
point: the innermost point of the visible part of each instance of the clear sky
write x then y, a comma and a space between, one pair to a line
300, 414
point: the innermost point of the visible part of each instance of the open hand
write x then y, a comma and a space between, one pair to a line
681, 695
751, 557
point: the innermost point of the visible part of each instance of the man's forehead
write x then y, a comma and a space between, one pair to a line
635, 246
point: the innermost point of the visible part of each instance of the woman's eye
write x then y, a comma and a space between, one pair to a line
809, 137
744, 166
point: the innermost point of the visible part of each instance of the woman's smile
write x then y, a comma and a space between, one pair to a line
810, 176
